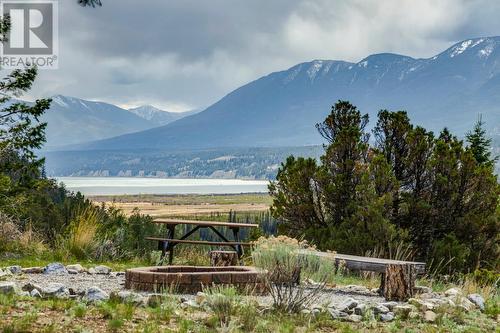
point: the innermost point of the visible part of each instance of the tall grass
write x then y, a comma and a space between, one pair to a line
81, 238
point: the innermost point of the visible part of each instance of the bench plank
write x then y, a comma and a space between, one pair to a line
358, 263
186, 241
205, 223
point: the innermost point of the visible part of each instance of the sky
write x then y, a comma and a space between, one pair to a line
184, 54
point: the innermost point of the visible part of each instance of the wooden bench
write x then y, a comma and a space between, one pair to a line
397, 277
167, 244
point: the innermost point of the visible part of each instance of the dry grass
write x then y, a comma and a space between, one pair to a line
83, 229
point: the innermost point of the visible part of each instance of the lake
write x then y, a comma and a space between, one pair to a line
136, 185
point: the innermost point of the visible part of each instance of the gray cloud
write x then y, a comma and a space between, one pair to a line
180, 54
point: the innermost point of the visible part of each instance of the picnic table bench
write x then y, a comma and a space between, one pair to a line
167, 244
397, 276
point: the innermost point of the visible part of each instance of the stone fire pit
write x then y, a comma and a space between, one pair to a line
191, 279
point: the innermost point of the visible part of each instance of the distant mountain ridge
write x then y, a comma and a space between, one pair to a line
280, 109
73, 120
158, 116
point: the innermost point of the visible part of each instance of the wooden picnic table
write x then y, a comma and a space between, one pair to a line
167, 244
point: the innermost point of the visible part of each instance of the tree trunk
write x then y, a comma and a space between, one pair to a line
398, 282
223, 258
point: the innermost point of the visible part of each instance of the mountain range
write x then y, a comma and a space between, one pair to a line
449, 89
72, 120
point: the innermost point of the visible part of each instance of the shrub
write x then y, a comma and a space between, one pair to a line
286, 261
222, 300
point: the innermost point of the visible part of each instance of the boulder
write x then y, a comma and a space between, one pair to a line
466, 304
72, 271
76, 267
453, 292
58, 290
7, 288
386, 317
15, 270
92, 271
389, 305
35, 293
360, 309
347, 305
380, 309
101, 269
200, 297
95, 294
477, 299
430, 316
129, 297
32, 270
30, 286
55, 268
353, 318
336, 314
404, 310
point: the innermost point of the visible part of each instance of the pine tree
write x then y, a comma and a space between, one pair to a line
21, 132
344, 129
479, 144
92, 3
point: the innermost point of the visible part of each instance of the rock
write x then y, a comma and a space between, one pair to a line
92, 271
386, 317
347, 305
58, 290
380, 309
453, 292
477, 299
55, 268
15, 270
95, 294
130, 297
466, 304
404, 310
422, 289
360, 309
420, 304
375, 290
316, 312
430, 316
200, 297
31, 286
35, 293
192, 303
389, 305
353, 318
120, 273
336, 314
356, 289
76, 267
32, 270
305, 311
72, 272
7, 288
101, 269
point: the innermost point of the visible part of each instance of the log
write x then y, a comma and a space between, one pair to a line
398, 282
223, 258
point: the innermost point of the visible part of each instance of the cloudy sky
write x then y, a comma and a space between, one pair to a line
184, 54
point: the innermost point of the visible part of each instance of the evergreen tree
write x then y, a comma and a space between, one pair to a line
296, 196
479, 144
347, 150
92, 3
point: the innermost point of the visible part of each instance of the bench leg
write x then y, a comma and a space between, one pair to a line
398, 282
239, 248
167, 246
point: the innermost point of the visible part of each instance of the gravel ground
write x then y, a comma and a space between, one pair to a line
111, 282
